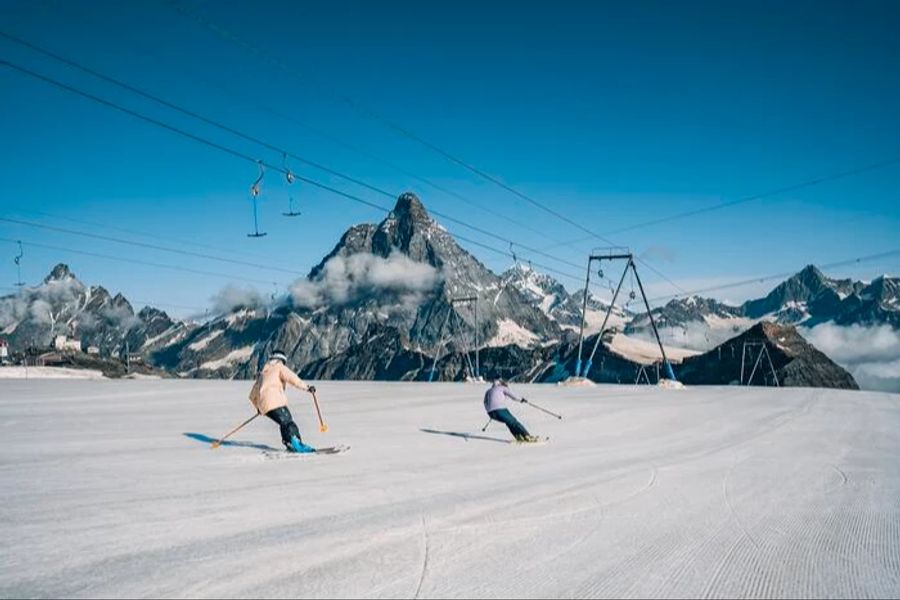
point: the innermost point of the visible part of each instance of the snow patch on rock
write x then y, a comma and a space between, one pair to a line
239, 355
204, 342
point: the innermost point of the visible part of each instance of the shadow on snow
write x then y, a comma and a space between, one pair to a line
466, 436
199, 437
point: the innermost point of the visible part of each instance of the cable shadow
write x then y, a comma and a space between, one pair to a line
466, 436
199, 437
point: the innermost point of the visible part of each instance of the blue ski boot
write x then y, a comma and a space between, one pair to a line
299, 447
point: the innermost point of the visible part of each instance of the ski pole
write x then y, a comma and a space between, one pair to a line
218, 443
552, 414
322, 426
483, 429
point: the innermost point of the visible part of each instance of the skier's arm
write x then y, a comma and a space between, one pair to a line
510, 395
292, 379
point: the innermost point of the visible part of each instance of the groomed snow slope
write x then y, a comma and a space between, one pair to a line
710, 492
18, 372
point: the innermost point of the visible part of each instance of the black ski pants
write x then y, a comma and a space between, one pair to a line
285, 421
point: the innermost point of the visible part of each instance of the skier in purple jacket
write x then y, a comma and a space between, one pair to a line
495, 404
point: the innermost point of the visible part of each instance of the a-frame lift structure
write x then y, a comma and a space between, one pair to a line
611, 254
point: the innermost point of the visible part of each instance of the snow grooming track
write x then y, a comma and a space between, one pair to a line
722, 492
424, 571
598, 521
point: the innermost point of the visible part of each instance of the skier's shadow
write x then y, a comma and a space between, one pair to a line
199, 437
466, 436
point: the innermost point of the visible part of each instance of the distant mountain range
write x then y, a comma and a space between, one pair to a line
390, 297
557, 303
808, 298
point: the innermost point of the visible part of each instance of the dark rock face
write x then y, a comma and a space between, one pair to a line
796, 362
385, 354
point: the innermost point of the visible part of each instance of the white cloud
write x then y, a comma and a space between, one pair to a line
870, 353
347, 279
40, 311
119, 316
856, 343
232, 297
12, 310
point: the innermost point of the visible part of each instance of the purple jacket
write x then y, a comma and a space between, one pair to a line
495, 397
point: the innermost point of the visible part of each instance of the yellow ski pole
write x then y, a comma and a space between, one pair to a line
322, 426
218, 443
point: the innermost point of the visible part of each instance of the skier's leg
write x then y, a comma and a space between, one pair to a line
520, 431
504, 416
278, 416
285, 421
292, 429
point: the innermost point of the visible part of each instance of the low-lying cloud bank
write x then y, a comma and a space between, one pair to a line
870, 353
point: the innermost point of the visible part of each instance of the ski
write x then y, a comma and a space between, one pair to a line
541, 441
285, 455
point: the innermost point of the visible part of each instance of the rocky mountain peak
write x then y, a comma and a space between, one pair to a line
794, 295
811, 273
410, 208
811, 280
60, 272
149, 313
120, 301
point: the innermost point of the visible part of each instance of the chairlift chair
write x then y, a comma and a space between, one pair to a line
289, 177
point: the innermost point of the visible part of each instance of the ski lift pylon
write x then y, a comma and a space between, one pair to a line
18, 261
254, 193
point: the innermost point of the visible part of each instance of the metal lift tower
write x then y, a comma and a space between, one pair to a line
612, 254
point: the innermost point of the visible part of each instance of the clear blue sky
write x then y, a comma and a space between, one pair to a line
614, 113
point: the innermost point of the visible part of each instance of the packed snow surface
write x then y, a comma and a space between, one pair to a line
19, 372
110, 489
